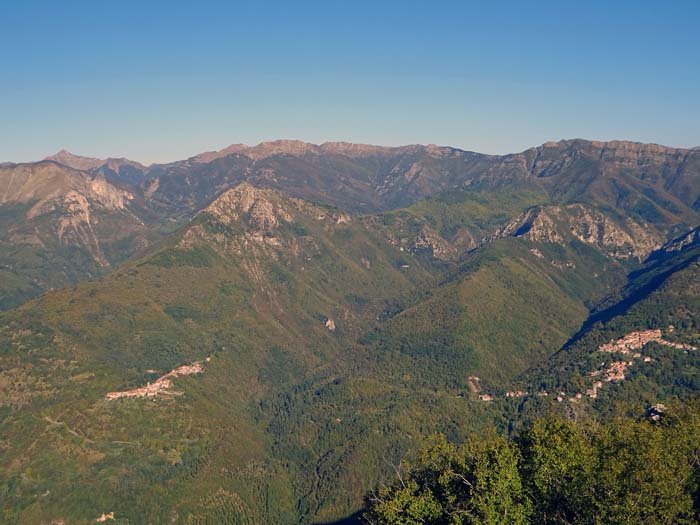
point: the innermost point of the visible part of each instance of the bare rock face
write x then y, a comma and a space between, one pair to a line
74, 201
633, 155
679, 243
445, 250
536, 225
244, 220
260, 208
552, 158
260, 214
429, 239
47, 182
76, 222
259, 222
620, 238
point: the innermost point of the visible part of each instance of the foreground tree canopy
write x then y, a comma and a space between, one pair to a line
555, 472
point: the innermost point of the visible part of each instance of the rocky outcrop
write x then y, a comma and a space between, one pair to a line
251, 219
679, 243
261, 224
45, 183
620, 238
73, 201
260, 208
420, 237
552, 157
536, 225
428, 239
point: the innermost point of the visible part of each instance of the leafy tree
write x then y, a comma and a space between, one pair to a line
477, 483
642, 474
556, 471
559, 471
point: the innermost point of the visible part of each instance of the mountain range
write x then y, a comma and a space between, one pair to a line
332, 305
653, 186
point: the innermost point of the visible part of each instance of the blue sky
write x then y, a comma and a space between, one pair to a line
158, 81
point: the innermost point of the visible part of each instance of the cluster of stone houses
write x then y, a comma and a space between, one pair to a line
516, 394
627, 345
160, 385
633, 341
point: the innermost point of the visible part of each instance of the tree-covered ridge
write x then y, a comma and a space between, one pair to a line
626, 471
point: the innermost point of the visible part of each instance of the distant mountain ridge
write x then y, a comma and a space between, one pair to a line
367, 179
609, 150
299, 147
655, 187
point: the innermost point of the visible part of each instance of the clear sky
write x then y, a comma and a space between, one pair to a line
159, 81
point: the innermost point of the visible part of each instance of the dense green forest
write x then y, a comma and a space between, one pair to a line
556, 471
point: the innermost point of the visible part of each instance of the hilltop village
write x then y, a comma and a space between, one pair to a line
162, 385
628, 345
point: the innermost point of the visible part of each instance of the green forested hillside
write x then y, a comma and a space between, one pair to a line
311, 320
663, 295
256, 295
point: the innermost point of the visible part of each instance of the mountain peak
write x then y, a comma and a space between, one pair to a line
77, 162
259, 151
264, 206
